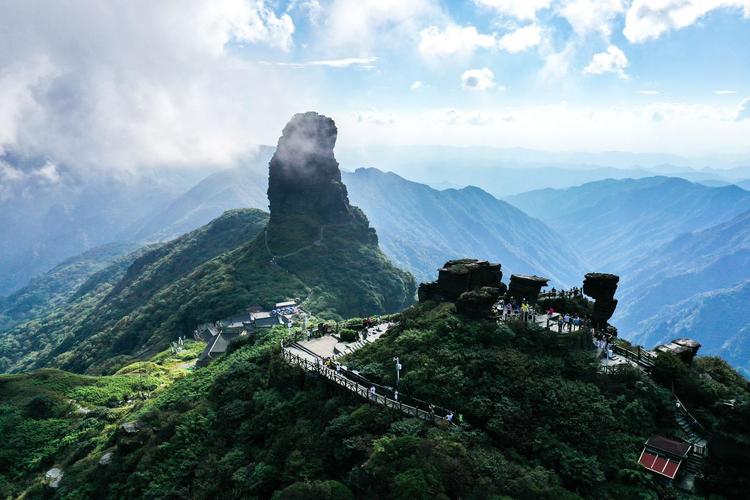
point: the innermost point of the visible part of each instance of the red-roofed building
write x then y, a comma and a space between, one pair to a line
663, 456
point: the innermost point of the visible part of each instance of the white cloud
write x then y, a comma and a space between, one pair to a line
376, 117
725, 92
649, 19
647, 92
464, 117
364, 25
590, 16
361, 62
311, 8
743, 111
478, 79
611, 61
524, 10
127, 84
563, 127
462, 40
557, 64
416, 85
521, 39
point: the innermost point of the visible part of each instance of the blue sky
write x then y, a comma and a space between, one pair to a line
169, 83
664, 60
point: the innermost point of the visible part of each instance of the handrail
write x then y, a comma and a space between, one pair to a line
683, 409
359, 389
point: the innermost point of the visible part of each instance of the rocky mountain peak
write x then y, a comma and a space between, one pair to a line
304, 177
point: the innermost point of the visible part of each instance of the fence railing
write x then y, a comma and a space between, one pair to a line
642, 357
318, 366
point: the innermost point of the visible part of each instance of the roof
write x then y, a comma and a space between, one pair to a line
260, 315
661, 465
670, 446
289, 303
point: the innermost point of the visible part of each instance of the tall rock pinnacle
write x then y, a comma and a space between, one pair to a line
305, 191
304, 177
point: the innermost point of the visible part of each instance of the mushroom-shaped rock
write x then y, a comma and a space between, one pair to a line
601, 287
526, 287
459, 276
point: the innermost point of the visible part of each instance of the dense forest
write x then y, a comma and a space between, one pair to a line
537, 420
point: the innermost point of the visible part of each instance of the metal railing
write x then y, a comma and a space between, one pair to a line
318, 366
642, 357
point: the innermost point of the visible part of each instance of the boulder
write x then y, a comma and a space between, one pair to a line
601, 287
478, 303
53, 477
526, 287
459, 276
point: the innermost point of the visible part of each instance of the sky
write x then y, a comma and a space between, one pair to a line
133, 84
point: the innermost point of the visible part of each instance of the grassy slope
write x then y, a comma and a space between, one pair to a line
96, 310
205, 275
54, 418
55, 287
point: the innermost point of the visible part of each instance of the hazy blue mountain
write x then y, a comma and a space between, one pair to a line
692, 268
614, 222
718, 319
242, 186
58, 285
49, 212
505, 172
420, 228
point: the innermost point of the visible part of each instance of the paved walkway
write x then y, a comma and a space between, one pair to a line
311, 354
328, 346
541, 320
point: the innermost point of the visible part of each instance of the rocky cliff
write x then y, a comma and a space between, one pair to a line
305, 191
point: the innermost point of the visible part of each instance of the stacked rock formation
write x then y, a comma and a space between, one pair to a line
526, 287
304, 181
474, 285
601, 287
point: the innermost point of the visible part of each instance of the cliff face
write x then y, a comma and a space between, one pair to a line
304, 182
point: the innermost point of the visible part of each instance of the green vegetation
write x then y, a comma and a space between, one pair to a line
56, 287
538, 422
50, 417
123, 306
210, 273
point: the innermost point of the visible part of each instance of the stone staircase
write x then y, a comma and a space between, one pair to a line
696, 436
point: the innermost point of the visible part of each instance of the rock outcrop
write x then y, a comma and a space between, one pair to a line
473, 284
304, 182
601, 287
526, 287
478, 303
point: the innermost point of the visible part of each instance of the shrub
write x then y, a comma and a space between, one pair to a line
348, 335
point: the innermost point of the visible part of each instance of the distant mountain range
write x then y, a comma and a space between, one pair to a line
420, 228
614, 222
505, 172
682, 249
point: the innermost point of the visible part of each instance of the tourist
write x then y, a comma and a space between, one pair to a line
372, 391
559, 323
508, 310
577, 322
566, 321
449, 417
395, 394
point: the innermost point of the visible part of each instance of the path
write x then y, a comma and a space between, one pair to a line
545, 321
310, 355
